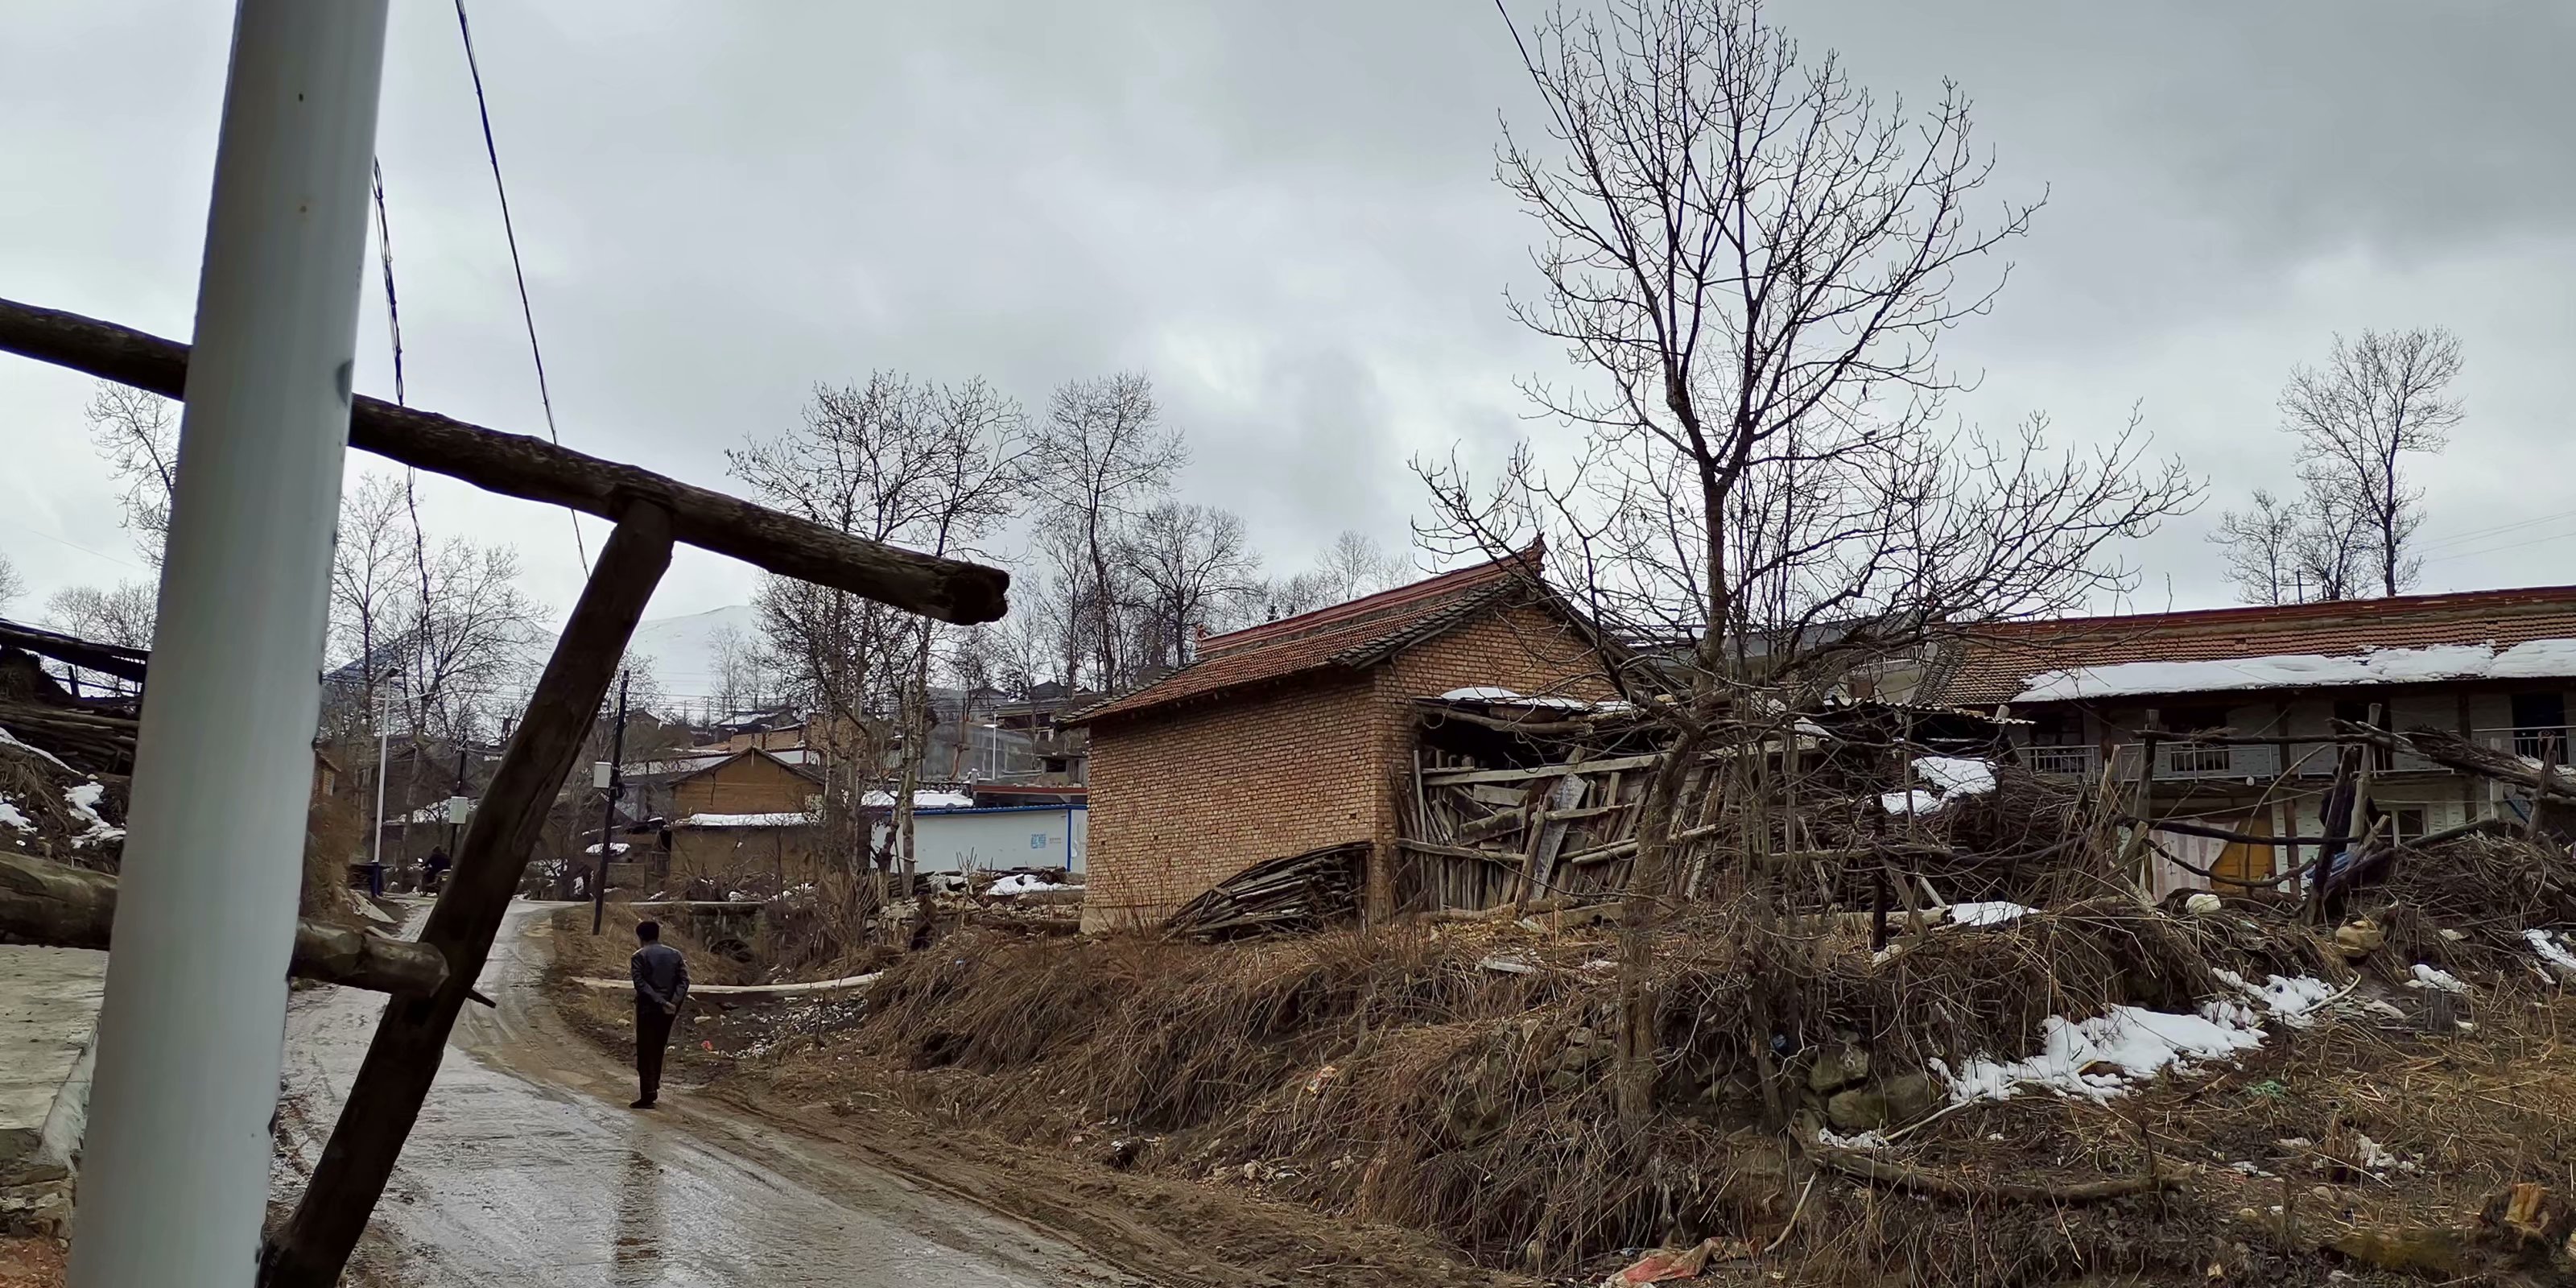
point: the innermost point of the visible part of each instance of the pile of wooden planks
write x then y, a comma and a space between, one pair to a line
1477, 837
90, 740
1299, 892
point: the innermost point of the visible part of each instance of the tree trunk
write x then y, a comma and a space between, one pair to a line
1648, 876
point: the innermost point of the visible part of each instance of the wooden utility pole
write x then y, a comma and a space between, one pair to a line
536, 470
385, 1100
608, 810
2136, 856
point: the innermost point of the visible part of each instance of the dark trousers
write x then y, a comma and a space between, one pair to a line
652, 1034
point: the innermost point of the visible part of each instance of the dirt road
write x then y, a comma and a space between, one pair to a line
526, 1168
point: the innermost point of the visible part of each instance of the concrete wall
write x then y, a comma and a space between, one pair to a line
1023, 837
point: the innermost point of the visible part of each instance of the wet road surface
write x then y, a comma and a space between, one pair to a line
527, 1168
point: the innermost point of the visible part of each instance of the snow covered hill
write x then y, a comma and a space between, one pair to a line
683, 649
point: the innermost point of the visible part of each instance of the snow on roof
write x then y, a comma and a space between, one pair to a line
2532, 660
781, 819
1498, 694
920, 800
678, 762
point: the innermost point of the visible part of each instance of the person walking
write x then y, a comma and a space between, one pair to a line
435, 870
661, 983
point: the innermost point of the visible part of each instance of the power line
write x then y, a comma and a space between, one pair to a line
2475, 534
2510, 545
509, 230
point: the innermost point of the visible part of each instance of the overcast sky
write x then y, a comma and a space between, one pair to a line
1286, 215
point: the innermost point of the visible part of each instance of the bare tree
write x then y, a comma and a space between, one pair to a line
2378, 398
2262, 544
935, 467
1753, 259
138, 433
1355, 565
123, 614
371, 587
744, 681
1102, 451
467, 647
1302, 593
1194, 569
12, 585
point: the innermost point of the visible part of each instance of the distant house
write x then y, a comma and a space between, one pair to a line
1294, 735
2498, 667
746, 811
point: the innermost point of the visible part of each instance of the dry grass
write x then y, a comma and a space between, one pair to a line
1391, 1076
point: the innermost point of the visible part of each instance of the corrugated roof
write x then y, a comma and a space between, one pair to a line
1360, 633
1994, 663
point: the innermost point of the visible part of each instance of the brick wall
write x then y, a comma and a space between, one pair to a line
1183, 799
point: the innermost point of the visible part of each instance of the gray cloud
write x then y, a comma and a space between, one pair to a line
1286, 215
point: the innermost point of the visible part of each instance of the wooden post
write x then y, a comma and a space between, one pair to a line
2137, 856
534, 469
412, 1037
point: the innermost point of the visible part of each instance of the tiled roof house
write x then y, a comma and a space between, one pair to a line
2495, 666
1294, 734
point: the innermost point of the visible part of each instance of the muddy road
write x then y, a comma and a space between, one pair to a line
527, 1168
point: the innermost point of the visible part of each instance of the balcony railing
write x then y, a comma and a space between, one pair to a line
2174, 760
2546, 743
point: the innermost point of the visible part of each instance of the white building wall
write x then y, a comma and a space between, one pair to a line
1050, 837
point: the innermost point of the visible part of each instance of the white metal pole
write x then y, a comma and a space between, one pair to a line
176, 1166
383, 744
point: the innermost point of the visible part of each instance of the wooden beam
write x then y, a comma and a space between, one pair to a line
536, 470
1454, 777
411, 1038
55, 904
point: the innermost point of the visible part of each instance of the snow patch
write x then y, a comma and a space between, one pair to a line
920, 800
83, 800
1957, 776
10, 817
1480, 693
8, 739
1992, 913
2536, 659
1916, 802
2293, 999
747, 820
614, 847
2435, 977
1025, 883
1865, 1140
2553, 953
2099, 1058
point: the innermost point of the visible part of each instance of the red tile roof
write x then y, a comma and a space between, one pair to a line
1993, 663
1357, 634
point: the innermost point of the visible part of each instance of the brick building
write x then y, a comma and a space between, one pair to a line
1295, 734
2495, 667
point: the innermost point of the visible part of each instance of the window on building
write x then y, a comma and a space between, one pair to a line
2409, 823
2540, 726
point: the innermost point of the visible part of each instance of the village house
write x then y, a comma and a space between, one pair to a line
2496, 667
1296, 734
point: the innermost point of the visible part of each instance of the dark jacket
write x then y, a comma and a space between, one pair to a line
661, 975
